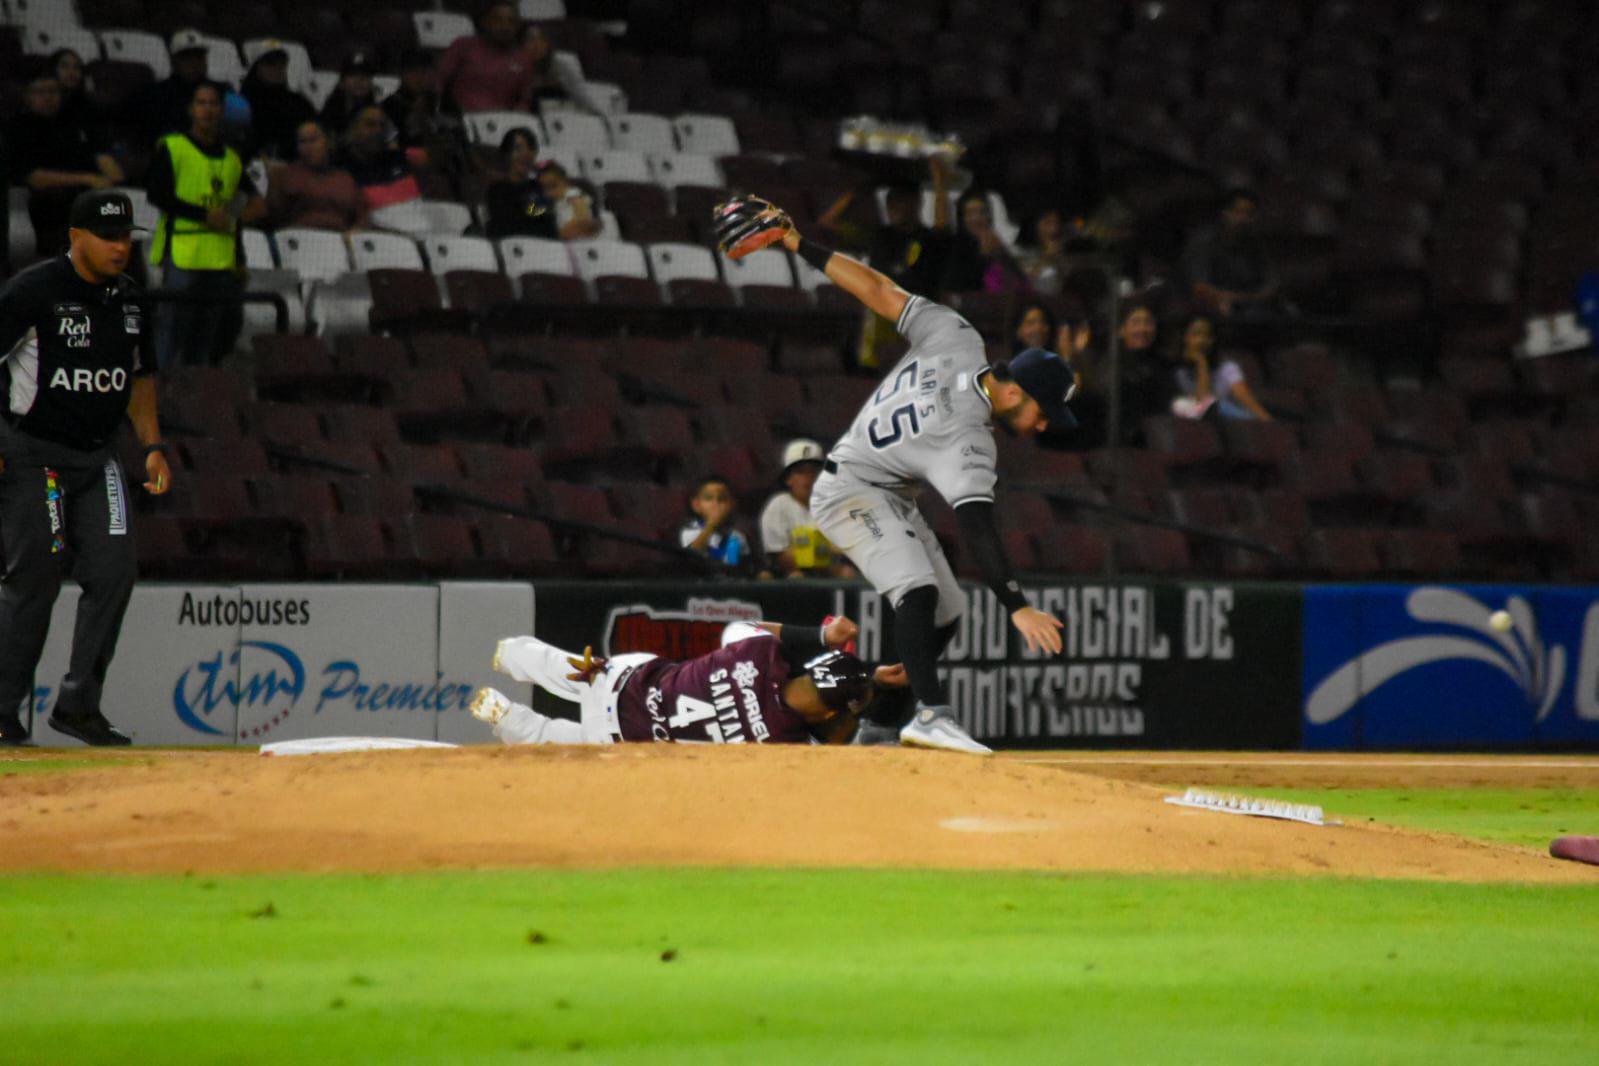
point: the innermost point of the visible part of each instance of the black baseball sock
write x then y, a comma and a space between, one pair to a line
918, 642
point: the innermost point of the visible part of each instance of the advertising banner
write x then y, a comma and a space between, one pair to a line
1401, 666
1158, 665
219, 664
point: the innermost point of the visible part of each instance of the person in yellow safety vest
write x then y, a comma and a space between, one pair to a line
200, 186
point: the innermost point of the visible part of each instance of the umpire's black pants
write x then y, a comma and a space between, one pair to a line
56, 520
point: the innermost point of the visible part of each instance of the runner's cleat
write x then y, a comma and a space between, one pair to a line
489, 706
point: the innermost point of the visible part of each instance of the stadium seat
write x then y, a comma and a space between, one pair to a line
299, 58
769, 267
317, 255
535, 255
439, 29
701, 134
447, 253
614, 164
595, 259
490, 127
137, 46
373, 250
673, 170
641, 132
577, 130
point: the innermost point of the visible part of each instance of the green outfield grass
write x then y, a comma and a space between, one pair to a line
1531, 816
765, 966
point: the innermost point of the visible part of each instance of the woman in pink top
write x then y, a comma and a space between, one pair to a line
311, 191
488, 71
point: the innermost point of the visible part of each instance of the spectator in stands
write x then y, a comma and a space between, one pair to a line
712, 531
793, 545
517, 206
163, 107
555, 77
311, 192
277, 112
354, 92
414, 108
200, 186
1145, 376
1201, 389
1227, 265
911, 253
55, 161
76, 110
575, 217
383, 173
979, 259
488, 71
1041, 250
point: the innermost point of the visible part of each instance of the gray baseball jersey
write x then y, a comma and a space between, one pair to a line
928, 423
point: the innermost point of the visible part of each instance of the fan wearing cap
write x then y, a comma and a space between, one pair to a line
162, 107
793, 545
768, 683
276, 111
929, 424
75, 351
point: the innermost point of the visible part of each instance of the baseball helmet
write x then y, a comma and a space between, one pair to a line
844, 681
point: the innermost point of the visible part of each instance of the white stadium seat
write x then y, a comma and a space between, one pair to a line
299, 59
316, 254
319, 86
571, 159
445, 217
765, 268
542, 10
374, 251
438, 29
673, 169
341, 305
615, 165
460, 253
222, 61
262, 317
600, 258
577, 130
675, 261
488, 127
21, 226
535, 255
44, 38
706, 134
257, 250
810, 278
643, 133
44, 13
137, 46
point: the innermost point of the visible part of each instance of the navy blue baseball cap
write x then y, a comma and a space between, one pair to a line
1049, 379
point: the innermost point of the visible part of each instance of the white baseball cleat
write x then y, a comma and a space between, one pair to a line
935, 727
498, 664
489, 706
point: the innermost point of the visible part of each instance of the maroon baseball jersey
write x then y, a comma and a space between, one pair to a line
728, 696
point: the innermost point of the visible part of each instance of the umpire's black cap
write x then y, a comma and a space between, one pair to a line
1049, 379
103, 212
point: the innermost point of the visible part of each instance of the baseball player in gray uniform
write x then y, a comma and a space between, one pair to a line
930, 423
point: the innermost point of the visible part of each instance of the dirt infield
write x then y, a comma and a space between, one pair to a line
207, 811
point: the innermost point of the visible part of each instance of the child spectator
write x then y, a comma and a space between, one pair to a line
711, 532
793, 545
574, 209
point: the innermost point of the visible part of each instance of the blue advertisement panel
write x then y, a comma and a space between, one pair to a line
1425, 666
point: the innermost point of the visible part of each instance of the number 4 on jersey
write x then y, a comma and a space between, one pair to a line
691, 710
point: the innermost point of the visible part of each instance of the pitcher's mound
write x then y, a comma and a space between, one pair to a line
673, 805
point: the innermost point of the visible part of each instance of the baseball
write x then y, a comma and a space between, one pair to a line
1500, 621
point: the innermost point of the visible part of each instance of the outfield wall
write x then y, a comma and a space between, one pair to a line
1148, 664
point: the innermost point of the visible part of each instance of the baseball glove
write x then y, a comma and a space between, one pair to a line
747, 224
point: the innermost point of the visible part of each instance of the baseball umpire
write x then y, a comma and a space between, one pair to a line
766, 684
78, 357
929, 423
